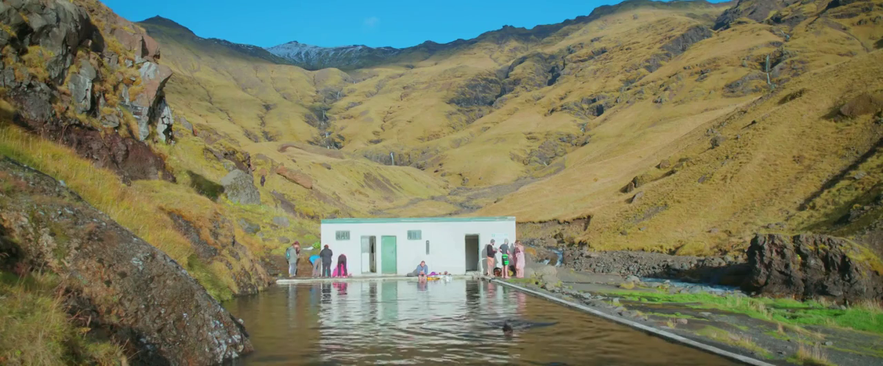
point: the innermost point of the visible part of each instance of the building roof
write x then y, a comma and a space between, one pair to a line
416, 219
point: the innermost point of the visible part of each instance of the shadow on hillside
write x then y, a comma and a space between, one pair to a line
879, 44
843, 173
204, 186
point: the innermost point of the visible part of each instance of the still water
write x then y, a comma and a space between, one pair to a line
457, 322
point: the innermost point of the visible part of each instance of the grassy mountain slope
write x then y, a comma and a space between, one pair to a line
559, 123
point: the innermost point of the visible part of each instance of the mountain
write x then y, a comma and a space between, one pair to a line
346, 57
160, 24
606, 119
356, 56
678, 127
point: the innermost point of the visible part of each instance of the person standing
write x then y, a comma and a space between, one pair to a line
498, 261
316, 261
490, 258
519, 259
326, 255
292, 254
506, 254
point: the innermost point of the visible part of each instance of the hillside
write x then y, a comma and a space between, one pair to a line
563, 117
678, 127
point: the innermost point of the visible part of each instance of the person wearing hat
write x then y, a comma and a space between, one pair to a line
292, 254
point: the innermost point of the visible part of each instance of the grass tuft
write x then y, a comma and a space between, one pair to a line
736, 340
36, 330
810, 356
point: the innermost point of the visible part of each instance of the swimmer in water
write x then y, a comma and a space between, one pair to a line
513, 324
507, 329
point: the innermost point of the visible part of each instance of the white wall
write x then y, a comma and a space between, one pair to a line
447, 243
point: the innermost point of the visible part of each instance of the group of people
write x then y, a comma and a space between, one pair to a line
321, 263
503, 261
505, 258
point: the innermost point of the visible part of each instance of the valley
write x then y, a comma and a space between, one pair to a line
684, 128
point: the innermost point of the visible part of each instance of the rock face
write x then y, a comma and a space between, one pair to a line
812, 266
296, 176
219, 244
118, 284
714, 270
756, 10
239, 188
109, 69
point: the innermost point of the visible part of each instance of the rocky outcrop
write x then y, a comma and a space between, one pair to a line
813, 266
218, 244
117, 284
79, 74
677, 46
725, 270
756, 10
239, 188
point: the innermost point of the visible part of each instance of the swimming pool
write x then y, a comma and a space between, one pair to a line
457, 322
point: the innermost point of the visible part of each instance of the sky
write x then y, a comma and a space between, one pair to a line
330, 23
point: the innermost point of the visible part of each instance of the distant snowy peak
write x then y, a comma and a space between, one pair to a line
344, 57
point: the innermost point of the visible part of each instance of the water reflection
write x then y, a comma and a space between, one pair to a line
408, 322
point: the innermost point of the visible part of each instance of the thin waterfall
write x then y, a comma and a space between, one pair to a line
392, 158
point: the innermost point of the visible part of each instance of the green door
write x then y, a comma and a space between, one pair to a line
388, 255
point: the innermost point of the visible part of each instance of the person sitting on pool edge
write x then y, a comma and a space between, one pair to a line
421, 271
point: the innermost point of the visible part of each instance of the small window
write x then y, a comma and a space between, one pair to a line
414, 235
342, 235
427, 247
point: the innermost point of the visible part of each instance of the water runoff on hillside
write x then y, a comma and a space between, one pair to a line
457, 322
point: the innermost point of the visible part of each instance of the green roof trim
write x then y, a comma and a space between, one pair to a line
416, 219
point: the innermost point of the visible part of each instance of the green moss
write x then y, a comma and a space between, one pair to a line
62, 241
212, 283
782, 310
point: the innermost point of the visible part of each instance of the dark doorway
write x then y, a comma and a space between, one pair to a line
472, 253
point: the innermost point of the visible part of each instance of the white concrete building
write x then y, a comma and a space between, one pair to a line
396, 246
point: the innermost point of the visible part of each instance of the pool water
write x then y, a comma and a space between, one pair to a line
457, 322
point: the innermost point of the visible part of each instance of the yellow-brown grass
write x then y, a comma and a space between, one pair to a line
142, 208
36, 329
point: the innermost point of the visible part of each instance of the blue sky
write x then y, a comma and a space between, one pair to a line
336, 23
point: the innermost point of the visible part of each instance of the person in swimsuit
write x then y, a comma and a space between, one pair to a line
519, 259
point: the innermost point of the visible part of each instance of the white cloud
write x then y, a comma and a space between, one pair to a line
372, 22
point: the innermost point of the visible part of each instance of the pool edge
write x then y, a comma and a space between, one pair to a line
652, 330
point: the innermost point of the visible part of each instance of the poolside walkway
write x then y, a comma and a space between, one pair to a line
292, 281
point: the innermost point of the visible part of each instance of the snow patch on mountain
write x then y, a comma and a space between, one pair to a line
316, 57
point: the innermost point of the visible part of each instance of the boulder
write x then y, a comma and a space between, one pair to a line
813, 266
120, 285
281, 221
295, 176
863, 104
239, 188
